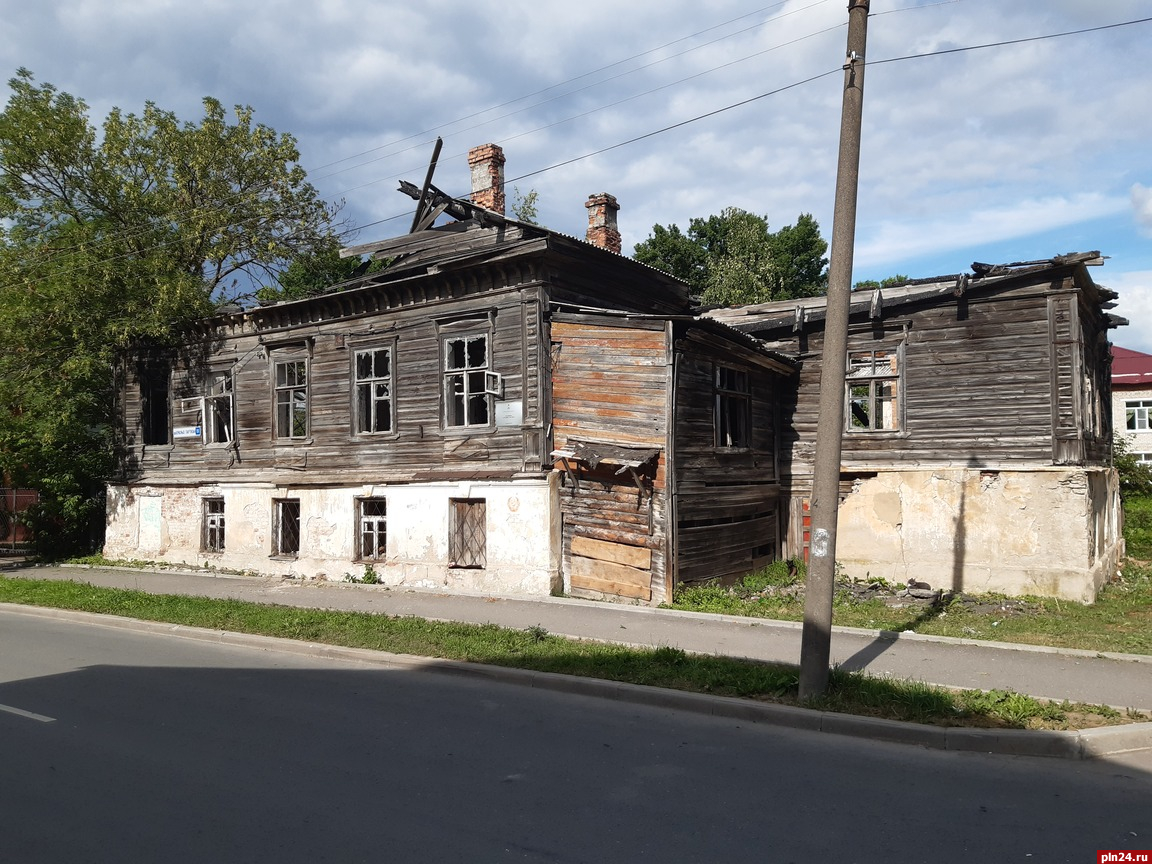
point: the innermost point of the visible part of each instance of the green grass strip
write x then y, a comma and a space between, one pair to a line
536, 649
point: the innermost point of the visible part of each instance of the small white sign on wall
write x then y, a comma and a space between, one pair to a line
509, 413
185, 432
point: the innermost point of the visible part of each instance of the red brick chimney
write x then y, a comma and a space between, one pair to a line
487, 164
602, 229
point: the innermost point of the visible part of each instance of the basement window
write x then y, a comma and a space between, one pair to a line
373, 528
286, 527
213, 537
467, 541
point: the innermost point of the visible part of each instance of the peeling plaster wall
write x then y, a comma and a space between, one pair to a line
164, 523
1052, 533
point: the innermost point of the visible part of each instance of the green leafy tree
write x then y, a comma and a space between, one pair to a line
524, 206
115, 237
312, 274
1135, 476
888, 282
734, 258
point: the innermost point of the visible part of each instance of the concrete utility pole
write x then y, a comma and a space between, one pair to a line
816, 641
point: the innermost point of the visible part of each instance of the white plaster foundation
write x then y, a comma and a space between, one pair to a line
165, 523
1048, 533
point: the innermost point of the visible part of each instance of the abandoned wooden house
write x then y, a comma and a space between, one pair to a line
500, 409
976, 449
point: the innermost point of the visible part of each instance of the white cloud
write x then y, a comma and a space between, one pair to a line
893, 241
958, 149
1142, 207
1135, 304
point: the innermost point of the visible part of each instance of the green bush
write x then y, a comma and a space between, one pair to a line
1138, 527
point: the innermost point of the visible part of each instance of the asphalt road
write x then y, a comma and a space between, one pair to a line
127, 747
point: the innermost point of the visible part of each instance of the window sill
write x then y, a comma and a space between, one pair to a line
283, 556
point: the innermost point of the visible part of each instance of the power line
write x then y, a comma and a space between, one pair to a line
573, 80
739, 104
129, 233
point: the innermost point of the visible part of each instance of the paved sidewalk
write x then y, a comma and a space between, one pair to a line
1121, 680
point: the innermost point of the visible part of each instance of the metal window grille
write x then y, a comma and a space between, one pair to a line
286, 531
213, 524
467, 394
873, 379
467, 544
292, 399
374, 391
373, 528
13, 502
733, 408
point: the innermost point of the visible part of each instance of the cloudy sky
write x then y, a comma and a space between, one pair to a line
679, 108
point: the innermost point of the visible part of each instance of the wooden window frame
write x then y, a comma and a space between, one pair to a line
861, 409
287, 394
377, 529
470, 384
732, 407
213, 535
218, 417
368, 385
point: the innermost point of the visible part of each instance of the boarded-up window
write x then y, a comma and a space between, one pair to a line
213, 525
733, 408
286, 527
873, 384
467, 542
374, 391
373, 528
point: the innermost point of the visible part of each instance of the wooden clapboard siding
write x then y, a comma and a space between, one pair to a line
726, 498
419, 444
610, 385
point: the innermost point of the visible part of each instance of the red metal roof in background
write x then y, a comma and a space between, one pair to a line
1131, 368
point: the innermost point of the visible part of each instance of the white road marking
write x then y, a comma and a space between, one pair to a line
27, 714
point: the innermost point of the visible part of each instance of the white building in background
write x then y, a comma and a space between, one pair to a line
1132, 399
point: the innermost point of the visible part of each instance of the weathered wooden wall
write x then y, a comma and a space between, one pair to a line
610, 384
976, 387
413, 321
726, 498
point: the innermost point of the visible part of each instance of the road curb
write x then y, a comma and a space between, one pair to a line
1083, 744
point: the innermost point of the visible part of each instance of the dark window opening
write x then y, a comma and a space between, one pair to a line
733, 408
155, 398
